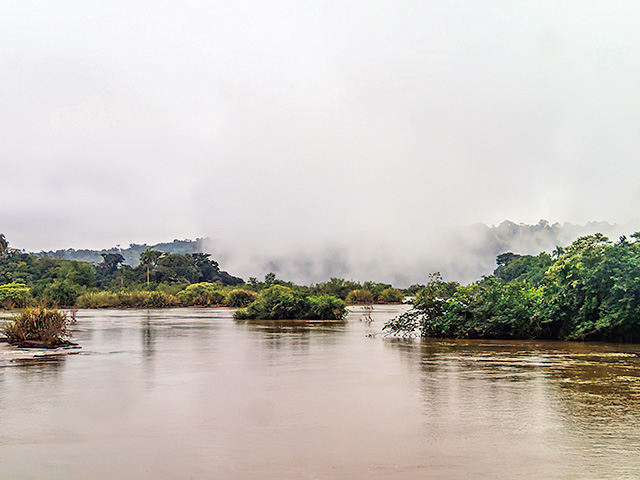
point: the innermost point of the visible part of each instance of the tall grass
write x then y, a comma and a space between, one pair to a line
141, 299
41, 325
198, 294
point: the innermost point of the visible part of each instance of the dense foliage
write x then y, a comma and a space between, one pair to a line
348, 290
281, 303
587, 291
161, 279
14, 295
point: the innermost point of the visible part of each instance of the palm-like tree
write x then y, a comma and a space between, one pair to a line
4, 245
150, 258
557, 252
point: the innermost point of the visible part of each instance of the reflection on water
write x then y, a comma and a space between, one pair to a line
191, 393
572, 407
148, 336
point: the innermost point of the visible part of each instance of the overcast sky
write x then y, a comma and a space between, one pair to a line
278, 125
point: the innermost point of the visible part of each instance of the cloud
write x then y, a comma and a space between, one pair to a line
365, 130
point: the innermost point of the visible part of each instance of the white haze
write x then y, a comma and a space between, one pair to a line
363, 133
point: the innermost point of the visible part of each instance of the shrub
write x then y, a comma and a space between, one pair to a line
390, 295
202, 294
39, 325
326, 307
60, 292
14, 295
240, 298
360, 296
282, 303
274, 303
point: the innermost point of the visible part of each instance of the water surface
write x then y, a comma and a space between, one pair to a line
191, 393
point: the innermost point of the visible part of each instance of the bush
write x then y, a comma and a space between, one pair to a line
201, 294
41, 326
282, 303
60, 293
326, 307
14, 295
240, 298
390, 295
274, 303
360, 296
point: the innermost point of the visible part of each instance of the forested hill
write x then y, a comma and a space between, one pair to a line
473, 249
131, 254
532, 239
465, 253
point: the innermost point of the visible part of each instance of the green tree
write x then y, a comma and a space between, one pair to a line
574, 288
282, 303
270, 279
360, 297
275, 303
109, 264
239, 298
522, 267
4, 245
429, 306
14, 295
390, 295
337, 287
149, 258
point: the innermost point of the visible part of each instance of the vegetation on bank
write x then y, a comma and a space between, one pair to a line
14, 295
196, 295
159, 280
37, 327
282, 303
587, 291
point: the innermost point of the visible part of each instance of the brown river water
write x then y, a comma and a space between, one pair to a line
193, 394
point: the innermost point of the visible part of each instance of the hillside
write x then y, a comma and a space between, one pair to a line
130, 254
465, 253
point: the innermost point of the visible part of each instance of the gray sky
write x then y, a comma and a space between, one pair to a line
277, 126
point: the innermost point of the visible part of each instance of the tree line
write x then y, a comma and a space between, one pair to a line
589, 290
27, 279
159, 280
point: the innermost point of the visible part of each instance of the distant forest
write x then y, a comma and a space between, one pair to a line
470, 254
162, 279
131, 254
155, 281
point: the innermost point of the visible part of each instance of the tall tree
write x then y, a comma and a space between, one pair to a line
4, 245
208, 270
109, 264
150, 258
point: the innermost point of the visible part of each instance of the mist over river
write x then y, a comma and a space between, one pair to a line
192, 393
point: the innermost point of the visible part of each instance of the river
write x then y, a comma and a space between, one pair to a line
191, 393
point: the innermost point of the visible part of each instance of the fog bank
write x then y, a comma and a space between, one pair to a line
353, 137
